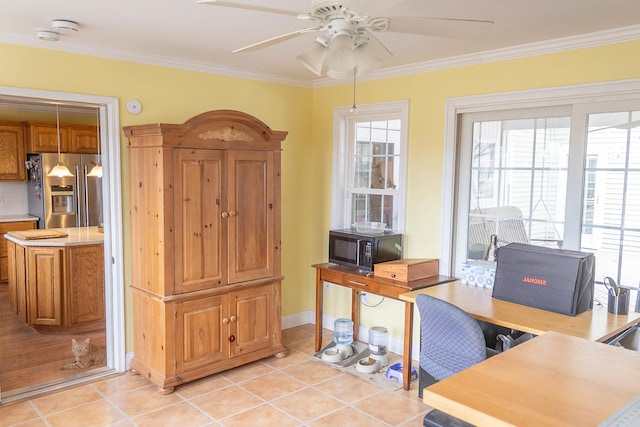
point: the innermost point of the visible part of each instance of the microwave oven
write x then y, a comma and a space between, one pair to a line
363, 251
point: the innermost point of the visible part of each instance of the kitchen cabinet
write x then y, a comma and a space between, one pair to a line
4, 228
205, 224
83, 139
57, 284
84, 286
17, 281
44, 285
42, 137
12, 152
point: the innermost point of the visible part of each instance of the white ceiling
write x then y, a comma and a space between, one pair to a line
195, 36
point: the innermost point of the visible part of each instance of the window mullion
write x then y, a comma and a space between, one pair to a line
575, 178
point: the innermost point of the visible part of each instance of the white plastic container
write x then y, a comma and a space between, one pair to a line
378, 344
343, 331
378, 340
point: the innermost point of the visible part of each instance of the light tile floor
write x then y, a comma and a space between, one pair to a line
293, 391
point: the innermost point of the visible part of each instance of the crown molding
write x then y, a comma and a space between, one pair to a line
163, 61
600, 38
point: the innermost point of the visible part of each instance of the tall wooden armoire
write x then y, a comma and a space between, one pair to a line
205, 245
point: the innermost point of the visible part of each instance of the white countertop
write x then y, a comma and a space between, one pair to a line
17, 218
77, 236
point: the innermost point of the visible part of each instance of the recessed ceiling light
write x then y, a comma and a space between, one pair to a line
48, 35
64, 24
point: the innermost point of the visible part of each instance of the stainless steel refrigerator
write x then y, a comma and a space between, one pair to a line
64, 202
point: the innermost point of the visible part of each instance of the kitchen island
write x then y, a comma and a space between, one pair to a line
56, 281
12, 223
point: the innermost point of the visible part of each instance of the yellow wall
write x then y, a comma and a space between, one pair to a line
427, 94
173, 96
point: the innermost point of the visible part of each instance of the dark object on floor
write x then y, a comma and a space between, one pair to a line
424, 380
437, 418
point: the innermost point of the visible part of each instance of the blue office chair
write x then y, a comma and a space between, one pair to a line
450, 340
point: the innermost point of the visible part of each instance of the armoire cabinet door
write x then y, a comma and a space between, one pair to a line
201, 332
200, 227
251, 228
251, 314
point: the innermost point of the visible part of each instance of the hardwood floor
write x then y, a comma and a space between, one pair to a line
31, 357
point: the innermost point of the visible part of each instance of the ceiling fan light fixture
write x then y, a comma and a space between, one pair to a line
343, 26
340, 74
314, 57
324, 41
341, 55
366, 59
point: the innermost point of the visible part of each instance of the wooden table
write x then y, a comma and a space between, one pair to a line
360, 281
594, 325
552, 380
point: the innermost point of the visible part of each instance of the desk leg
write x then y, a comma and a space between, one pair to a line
319, 306
355, 312
408, 336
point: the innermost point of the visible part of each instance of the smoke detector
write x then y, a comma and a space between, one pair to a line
48, 35
64, 25
57, 26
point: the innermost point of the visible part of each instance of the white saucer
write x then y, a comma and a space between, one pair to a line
345, 349
332, 355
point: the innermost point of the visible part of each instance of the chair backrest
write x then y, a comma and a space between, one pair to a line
450, 339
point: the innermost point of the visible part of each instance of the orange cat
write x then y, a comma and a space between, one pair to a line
86, 354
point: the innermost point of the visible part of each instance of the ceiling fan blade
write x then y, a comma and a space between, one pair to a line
439, 27
248, 7
372, 9
277, 39
377, 42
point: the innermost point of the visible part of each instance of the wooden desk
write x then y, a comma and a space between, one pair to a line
594, 325
551, 380
360, 281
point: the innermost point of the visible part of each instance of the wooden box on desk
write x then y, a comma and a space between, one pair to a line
407, 270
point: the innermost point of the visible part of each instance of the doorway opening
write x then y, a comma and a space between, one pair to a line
114, 329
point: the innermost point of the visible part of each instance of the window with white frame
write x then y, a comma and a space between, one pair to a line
369, 165
517, 177
566, 174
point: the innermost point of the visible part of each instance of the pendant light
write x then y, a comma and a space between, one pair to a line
96, 171
59, 170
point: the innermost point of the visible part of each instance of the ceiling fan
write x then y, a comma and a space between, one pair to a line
345, 45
